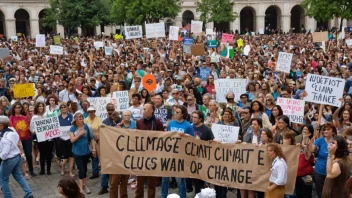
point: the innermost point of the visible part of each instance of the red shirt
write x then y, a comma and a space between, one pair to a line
305, 167
210, 88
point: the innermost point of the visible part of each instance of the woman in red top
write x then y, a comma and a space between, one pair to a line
210, 84
19, 121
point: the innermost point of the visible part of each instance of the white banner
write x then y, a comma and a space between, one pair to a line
132, 32
99, 105
40, 40
121, 100
98, 44
47, 128
224, 86
349, 42
108, 51
65, 132
54, 49
324, 90
14, 38
155, 30
225, 133
292, 108
284, 62
196, 27
173, 33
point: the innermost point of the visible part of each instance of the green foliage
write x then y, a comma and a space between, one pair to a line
323, 10
216, 11
137, 12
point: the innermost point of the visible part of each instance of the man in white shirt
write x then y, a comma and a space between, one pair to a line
11, 159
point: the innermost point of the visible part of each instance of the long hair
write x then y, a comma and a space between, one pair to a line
277, 150
70, 188
272, 118
342, 147
14, 107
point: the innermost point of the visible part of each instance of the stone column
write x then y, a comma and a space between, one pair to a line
311, 24
260, 22
236, 25
34, 25
10, 27
79, 30
286, 23
97, 30
60, 30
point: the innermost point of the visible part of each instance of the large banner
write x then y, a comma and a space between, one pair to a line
324, 90
167, 154
224, 86
155, 30
132, 32
292, 108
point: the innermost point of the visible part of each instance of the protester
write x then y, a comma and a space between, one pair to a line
68, 188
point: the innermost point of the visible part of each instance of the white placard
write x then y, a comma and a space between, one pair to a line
349, 42
224, 86
293, 108
155, 30
261, 31
324, 90
208, 31
173, 33
246, 50
225, 133
47, 128
64, 130
132, 32
54, 49
121, 100
40, 40
284, 62
14, 38
108, 51
98, 44
196, 27
99, 104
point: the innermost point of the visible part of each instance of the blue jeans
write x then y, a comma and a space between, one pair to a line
104, 181
95, 166
181, 184
13, 166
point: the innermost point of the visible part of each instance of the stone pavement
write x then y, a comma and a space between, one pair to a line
44, 186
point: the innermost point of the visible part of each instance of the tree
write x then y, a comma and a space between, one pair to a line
216, 11
86, 14
323, 10
137, 12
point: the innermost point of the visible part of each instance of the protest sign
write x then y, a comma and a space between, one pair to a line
23, 90
212, 43
240, 43
98, 44
204, 73
284, 62
155, 30
208, 31
14, 38
54, 49
197, 49
121, 100
261, 31
166, 154
162, 114
187, 49
4, 52
40, 40
47, 128
225, 133
99, 105
324, 90
293, 108
132, 32
108, 51
64, 130
320, 36
246, 50
196, 26
224, 86
214, 58
188, 41
173, 33
149, 82
227, 38
349, 42
57, 40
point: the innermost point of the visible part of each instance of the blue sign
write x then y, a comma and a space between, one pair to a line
188, 41
204, 73
212, 43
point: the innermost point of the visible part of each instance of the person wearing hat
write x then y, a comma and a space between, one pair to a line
94, 122
83, 146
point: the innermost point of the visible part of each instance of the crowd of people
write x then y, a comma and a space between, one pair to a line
64, 84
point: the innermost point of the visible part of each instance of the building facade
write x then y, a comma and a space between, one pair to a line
23, 16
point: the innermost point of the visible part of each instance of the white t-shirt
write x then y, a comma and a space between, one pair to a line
136, 112
255, 139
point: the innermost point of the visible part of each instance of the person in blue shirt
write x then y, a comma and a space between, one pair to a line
127, 122
179, 124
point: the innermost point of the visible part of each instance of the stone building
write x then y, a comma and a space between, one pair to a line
23, 16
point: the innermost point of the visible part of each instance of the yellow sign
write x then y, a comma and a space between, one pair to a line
118, 36
57, 40
23, 90
240, 43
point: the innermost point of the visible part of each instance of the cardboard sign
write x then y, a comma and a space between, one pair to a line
47, 128
108, 51
324, 90
149, 82
224, 86
40, 40
57, 40
23, 90
155, 30
284, 62
196, 27
4, 52
188, 41
173, 33
99, 104
227, 38
14, 38
132, 32
54, 49
225, 133
98, 44
197, 49
121, 100
293, 108
349, 42
166, 154
320, 36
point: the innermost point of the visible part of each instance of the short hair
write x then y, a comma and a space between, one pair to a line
259, 120
109, 104
152, 104
4, 120
138, 95
290, 135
